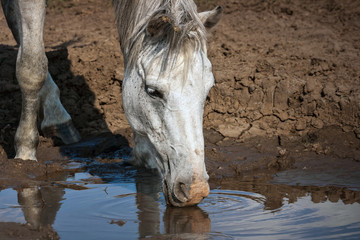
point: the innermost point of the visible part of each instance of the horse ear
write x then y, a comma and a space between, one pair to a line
211, 18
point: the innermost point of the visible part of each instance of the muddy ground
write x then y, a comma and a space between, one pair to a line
287, 93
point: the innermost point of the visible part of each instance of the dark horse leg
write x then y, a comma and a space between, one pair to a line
26, 21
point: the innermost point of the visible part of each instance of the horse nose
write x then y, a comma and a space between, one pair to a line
182, 191
189, 193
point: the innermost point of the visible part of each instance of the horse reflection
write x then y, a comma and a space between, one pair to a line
191, 221
40, 205
147, 194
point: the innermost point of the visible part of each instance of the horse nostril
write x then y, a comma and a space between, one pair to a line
185, 189
182, 191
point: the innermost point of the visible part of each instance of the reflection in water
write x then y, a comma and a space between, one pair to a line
147, 194
187, 220
300, 220
130, 205
40, 205
177, 221
276, 195
31, 203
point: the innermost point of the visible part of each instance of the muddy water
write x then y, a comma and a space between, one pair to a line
107, 200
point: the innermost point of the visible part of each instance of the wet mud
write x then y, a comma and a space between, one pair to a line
282, 120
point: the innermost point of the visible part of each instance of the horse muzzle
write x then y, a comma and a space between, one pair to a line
186, 192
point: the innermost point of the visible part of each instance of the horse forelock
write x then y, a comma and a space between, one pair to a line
181, 30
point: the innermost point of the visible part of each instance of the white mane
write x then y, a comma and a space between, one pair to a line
163, 27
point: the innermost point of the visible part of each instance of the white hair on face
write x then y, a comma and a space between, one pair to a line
177, 23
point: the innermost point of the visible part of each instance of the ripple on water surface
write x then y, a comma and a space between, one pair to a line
243, 214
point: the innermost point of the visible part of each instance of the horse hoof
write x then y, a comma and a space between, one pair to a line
25, 153
65, 131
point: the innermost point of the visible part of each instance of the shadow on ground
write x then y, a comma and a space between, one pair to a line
76, 96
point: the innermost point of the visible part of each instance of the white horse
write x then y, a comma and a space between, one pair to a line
167, 78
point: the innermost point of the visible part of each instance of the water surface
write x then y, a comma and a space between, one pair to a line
115, 201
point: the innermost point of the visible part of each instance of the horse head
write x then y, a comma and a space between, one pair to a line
164, 91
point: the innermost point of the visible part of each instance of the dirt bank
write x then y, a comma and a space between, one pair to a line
285, 68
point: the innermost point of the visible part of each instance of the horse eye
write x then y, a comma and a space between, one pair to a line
152, 92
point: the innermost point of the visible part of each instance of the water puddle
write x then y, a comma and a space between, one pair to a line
114, 201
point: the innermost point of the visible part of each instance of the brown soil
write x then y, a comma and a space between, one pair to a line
23, 231
286, 95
